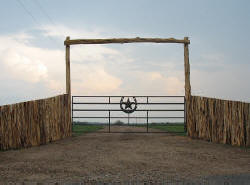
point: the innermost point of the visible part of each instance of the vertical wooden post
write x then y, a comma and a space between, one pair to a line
187, 70
68, 86
68, 82
187, 82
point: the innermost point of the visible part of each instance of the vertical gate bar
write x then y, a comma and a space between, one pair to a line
147, 115
147, 120
72, 123
109, 116
185, 116
109, 121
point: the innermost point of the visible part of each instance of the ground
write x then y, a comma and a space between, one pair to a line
121, 157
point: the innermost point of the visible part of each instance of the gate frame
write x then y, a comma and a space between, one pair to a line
147, 117
185, 42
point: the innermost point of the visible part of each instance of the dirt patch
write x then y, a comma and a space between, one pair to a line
123, 156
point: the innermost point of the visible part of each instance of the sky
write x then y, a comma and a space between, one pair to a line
32, 53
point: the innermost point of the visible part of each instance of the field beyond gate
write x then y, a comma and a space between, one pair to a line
129, 113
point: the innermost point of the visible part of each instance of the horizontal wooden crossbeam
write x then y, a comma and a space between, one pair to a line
125, 40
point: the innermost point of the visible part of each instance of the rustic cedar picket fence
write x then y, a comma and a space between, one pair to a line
219, 121
34, 123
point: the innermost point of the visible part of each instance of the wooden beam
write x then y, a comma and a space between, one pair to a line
124, 40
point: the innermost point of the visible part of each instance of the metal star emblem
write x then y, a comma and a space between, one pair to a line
128, 104
128, 108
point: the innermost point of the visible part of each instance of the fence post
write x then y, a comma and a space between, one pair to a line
187, 82
68, 85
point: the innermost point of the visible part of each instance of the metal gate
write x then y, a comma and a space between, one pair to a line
137, 114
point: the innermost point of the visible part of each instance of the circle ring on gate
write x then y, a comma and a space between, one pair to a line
128, 105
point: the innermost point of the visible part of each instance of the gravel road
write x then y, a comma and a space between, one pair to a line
120, 157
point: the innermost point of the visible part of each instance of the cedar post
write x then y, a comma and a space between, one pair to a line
68, 82
187, 81
68, 86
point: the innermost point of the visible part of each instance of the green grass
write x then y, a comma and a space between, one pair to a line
170, 128
81, 129
177, 128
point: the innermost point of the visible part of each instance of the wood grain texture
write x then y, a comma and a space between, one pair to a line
124, 40
187, 79
187, 70
68, 77
219, 121
34, 123
67, 59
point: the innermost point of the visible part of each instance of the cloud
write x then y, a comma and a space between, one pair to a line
156, 83
210, 62
94, 53
171, 85
211, 75
61, 31
22, 61
20, 66
102, 69
29, 63
155, 76
85, 52
174, 86
93, 80
214, 75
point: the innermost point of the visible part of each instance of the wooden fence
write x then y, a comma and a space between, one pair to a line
34, 123
219, 121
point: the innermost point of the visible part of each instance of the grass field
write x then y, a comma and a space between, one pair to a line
170, 127
178, 128
80, 129
174, 128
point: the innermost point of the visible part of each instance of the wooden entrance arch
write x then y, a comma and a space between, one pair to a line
185, 42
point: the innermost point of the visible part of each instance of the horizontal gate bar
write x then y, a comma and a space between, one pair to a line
136, 132
139, 110
103, 103
141, 117
132, 96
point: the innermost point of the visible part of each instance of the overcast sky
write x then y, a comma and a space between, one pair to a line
32, 54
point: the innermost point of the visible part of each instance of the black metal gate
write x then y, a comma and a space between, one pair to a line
129, 113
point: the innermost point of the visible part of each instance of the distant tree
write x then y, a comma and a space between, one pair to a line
118, 122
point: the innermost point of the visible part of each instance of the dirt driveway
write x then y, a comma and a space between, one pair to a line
123, 156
